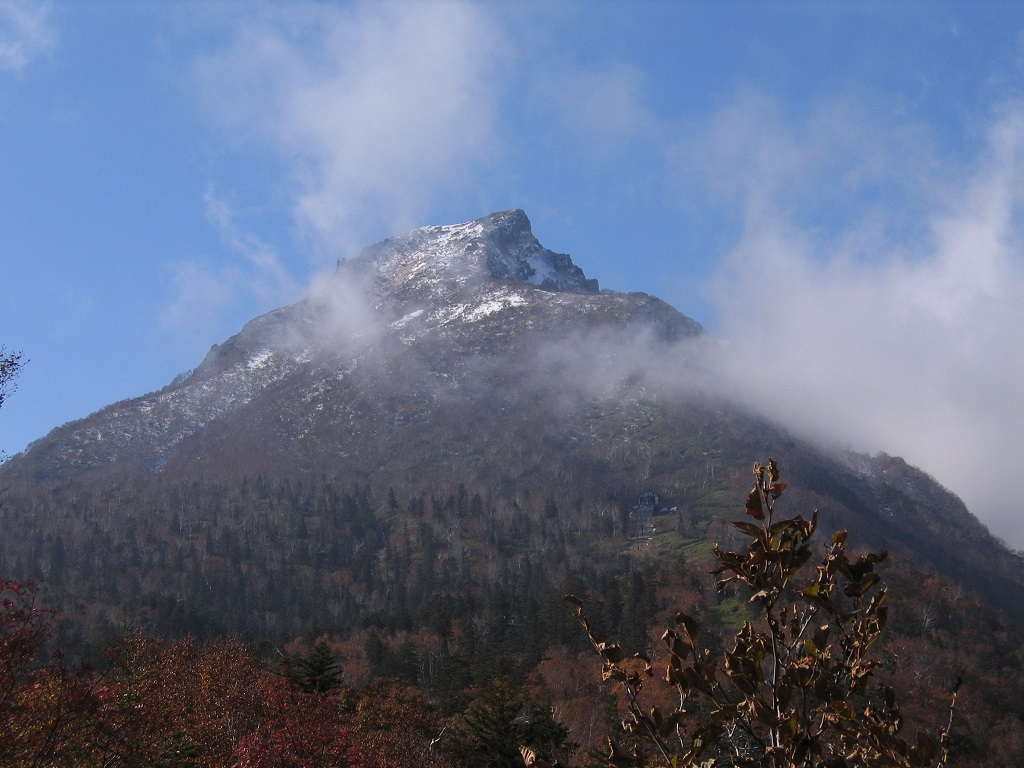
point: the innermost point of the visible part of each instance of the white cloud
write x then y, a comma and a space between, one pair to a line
898, 327
872, 297
843, 160
379, 108
25, 33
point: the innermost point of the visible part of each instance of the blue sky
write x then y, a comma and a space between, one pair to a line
833, 188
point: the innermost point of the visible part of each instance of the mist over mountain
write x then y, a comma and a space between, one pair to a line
463, 361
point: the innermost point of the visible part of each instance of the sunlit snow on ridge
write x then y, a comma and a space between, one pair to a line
404, 321
495, 305
260, 360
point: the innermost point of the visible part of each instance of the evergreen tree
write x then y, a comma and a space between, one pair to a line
546, 737
505, 721
494, 730
318, 670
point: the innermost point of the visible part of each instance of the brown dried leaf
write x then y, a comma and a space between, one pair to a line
753, 505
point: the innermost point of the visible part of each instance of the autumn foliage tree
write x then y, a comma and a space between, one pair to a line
27, 716
158, 704
797, 689
305, 731
396, 724
185, 700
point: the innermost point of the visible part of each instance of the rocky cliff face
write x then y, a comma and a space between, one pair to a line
435, 262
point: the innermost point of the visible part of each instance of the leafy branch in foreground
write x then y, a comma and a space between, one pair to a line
797, 688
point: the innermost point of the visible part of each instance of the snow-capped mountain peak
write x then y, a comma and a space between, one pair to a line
439, 301
500, 246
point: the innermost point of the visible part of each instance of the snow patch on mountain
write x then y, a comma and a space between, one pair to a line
438, 259
260, 360
404, 321
493, 305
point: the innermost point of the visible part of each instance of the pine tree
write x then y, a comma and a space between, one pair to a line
505, 721
318, 671
493, 728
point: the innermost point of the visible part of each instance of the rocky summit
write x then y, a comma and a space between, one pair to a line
434, 262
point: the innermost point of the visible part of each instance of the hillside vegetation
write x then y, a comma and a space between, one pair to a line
449, 593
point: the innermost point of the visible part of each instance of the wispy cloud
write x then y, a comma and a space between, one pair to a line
897, 326
264, 275
203, 291
597, 107
26, 32
378, 108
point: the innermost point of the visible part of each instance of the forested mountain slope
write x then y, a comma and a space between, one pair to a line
424, 454
454, 359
